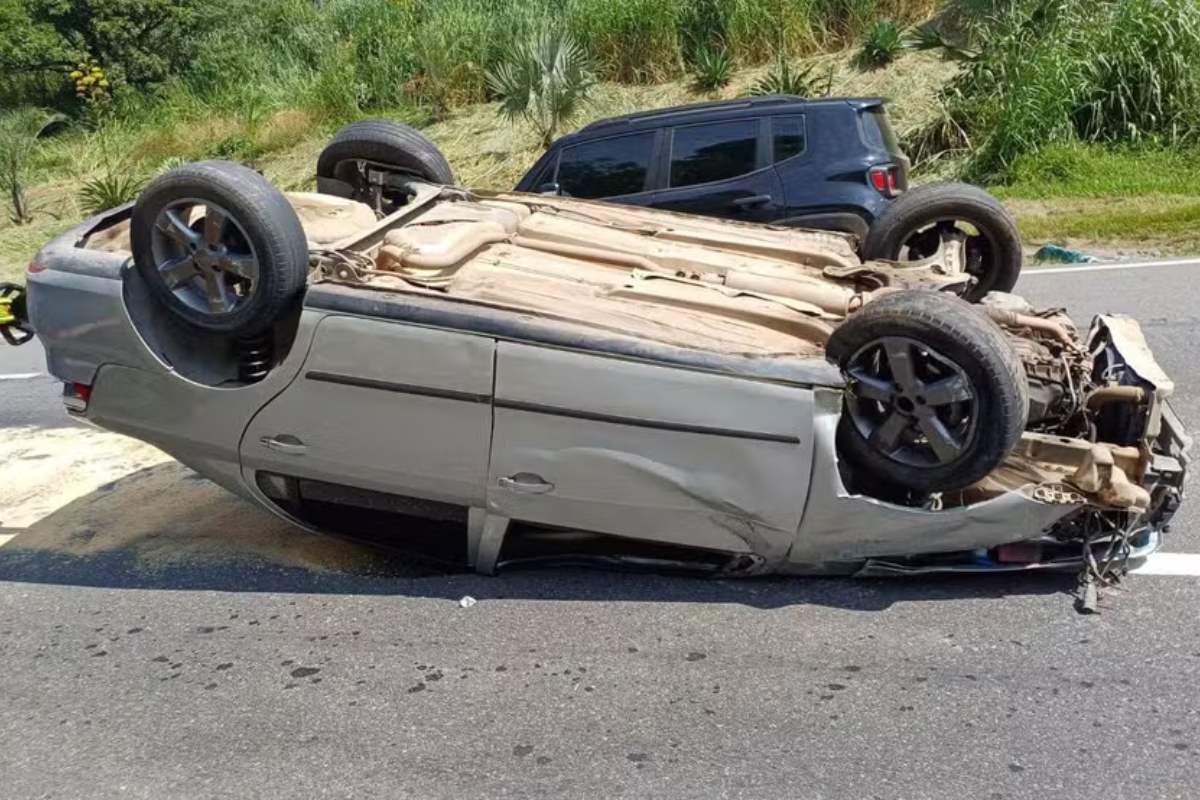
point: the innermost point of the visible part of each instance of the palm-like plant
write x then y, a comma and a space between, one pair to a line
784, 79
19, 132
108, 190
543, 81
882, 42
712, 69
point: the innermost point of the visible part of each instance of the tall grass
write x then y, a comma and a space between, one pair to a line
344, 56
1041, 72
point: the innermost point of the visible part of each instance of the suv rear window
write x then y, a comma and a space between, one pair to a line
606, 168
877, 130
787, 134
713, 152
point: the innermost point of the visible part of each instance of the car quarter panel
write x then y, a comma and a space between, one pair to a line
839, 526
383, 406
199, 425
649, 451
77, 309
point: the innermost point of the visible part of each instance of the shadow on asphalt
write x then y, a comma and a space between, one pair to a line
166, 528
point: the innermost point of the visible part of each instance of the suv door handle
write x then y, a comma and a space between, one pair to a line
526, 483
284, 443
755, 200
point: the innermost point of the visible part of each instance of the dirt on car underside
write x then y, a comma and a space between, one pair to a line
682, 280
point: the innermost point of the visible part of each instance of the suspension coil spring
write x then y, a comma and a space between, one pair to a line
254, 356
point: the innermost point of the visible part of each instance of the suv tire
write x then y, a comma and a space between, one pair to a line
383, 142
255, 262
998, 243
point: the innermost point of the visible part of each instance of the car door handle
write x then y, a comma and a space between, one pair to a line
755, 200
526, 483
284, 443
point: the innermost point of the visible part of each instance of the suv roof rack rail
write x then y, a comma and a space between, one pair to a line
695, 108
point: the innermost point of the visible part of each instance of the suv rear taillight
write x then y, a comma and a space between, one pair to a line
76, 397
886, 180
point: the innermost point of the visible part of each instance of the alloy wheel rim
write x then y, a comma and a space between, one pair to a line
913, 404
204, 257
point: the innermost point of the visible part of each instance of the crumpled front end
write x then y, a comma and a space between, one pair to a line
1093, 483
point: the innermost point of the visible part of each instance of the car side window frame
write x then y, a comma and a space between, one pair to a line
549, 173
762, 152
649, 182
803, 118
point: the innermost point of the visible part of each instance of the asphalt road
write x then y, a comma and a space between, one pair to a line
270, 682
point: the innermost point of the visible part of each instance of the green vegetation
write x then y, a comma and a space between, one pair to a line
543, 81
712, 68
882, 42
19, 132
1056, 104
1042, 72
783, 78
1095, 171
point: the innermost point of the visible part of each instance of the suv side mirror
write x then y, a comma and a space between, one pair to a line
550, 188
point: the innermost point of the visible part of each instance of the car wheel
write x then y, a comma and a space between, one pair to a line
936, 397
961, 226
219, 247
392, 149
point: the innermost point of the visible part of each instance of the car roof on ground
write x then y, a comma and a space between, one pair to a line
724, 109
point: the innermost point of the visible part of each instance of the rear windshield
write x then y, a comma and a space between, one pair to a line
877, 130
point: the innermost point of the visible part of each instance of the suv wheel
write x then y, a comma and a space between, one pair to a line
962, 226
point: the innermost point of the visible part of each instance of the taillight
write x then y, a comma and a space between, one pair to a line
76, 396
879, 180
886, 179
35, 268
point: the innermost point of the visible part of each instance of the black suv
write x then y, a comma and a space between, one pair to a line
831, 163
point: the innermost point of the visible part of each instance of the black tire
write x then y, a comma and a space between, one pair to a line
999, 242
265, 221
381, 141
953, 331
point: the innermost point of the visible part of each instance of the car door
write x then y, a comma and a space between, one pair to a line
385, 407
818, 192
615, 168
799, 174
661, 453
721, 169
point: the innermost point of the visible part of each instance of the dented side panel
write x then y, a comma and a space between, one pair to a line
649, 452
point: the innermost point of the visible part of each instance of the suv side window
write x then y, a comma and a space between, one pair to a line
713, 152
606, 168
787, 135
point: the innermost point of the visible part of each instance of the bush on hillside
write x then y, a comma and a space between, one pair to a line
882, 42
1056, 71
711, 69
543, 81
19, 132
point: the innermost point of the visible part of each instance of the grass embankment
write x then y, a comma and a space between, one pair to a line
1109, 201
1100, 200
484, 149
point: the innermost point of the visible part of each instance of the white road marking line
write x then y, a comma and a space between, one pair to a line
20, 376
1181, 564
1174, 262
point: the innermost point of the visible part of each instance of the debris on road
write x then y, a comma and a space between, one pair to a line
1053, 254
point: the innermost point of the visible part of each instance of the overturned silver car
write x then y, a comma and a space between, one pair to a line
539, 379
